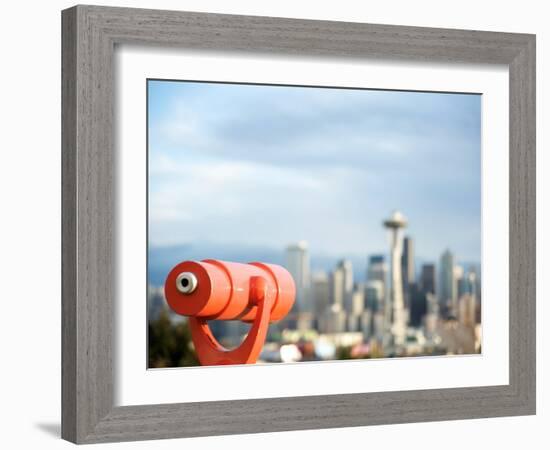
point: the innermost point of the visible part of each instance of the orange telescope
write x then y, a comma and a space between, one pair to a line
256, 293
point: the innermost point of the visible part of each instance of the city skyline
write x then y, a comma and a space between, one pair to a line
162, 258
393, 310
382, 313
333, 160
391, 279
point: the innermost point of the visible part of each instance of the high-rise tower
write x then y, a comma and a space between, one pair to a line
347, 269
297, 263
397, 322
378, 270
320, 293
407, 263
427, 278
447, 289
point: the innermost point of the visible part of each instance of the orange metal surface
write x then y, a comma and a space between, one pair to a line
257, 293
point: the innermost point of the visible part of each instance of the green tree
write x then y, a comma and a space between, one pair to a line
170, 344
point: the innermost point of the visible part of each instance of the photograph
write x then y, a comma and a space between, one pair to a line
275, 225
294, 224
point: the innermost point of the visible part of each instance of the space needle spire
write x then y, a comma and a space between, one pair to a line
396, 308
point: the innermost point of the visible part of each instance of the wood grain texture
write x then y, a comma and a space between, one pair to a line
89, 206
68, 226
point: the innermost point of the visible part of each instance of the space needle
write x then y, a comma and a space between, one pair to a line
395, 317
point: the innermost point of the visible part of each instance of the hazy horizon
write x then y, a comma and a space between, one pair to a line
162, 259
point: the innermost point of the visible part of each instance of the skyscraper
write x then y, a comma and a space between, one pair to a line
378, 271
407, 266
342, 284
297, 263
418, 305
320, 292
357, 307
374, 295
337, 288
395, 223
347, 269
447, 286
427, 278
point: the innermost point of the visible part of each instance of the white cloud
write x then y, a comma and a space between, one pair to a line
269, 166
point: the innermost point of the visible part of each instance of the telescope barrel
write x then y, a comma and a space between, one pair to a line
220, 290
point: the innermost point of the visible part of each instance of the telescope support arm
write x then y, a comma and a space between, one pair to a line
210, 352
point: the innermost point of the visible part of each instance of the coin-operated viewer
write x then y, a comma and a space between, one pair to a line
256, 293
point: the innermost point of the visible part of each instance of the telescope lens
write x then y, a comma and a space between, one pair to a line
186, 282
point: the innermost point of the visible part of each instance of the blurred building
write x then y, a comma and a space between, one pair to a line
476, 271
342, 284
432, 316
374, 295
347, 269
357, 307
353, 323
297, 263
337, 288
377, 270
471, 282
320, 292
447, 286
333, 320
460, 281
366, 324
418, 305
358, 299
455, 338
378, 327
474, 288
427, 278
407, 267
467, 310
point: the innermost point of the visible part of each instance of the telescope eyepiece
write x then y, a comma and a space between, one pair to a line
186, 282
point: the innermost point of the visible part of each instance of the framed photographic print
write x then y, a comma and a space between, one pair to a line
277, 224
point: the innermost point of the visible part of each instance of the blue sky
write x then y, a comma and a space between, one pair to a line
270, 165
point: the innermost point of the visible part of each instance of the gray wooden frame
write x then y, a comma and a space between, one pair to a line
88, 153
